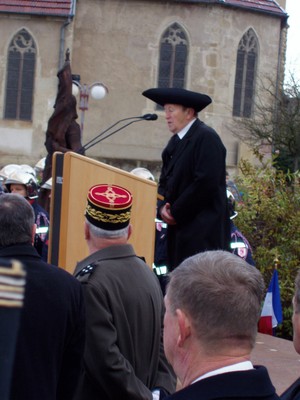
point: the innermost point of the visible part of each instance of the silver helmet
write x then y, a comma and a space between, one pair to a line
20, 177
7, 170
143, 173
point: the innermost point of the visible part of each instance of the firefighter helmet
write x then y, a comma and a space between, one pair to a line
40, 165
20, 177
231, 204
28, 169
143, 173
7, 170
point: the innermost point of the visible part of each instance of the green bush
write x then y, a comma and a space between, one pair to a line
269, 217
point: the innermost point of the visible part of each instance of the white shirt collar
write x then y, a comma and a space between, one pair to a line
183, 131
242, 366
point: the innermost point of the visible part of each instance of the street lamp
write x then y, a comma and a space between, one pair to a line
97, 90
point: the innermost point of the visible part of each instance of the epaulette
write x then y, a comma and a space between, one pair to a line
12, 282
88, 270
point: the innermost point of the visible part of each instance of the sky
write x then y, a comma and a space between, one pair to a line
293, 39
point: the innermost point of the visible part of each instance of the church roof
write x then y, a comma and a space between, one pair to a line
271, 7
67, 7
62, 8
265, 6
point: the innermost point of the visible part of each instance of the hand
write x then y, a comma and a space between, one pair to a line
166, 215
57, 147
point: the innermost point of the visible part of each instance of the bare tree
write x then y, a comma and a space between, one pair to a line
275, 121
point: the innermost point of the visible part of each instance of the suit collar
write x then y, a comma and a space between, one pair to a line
183, 131
108, 253
19, 250
241, 366
181, 145
253, 384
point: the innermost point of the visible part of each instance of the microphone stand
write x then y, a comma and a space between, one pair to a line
111, 133
94, 141
107, 129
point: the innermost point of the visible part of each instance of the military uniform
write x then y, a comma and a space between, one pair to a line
124, 356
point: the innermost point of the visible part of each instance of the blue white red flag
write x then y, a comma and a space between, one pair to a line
271, 314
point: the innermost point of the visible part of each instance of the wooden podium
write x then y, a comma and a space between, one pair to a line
72, 176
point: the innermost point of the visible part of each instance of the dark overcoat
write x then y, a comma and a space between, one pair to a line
124, 356
193, 181
240, 385
292, 392
50, 343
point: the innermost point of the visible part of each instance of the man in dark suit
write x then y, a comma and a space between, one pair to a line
213, 304
12, 283
124, 356
192, 184
50, 342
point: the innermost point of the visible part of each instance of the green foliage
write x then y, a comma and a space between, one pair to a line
270, 219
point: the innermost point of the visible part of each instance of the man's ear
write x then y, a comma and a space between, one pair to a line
86, 231
190, 112
33, 232
184, 327
129, 231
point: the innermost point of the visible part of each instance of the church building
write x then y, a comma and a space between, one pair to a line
222, 48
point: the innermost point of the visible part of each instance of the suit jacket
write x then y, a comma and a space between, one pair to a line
292, 392
50, 341
250, 385
12, 283
124, 356
193, 181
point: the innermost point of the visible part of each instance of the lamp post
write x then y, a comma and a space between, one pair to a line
97, 90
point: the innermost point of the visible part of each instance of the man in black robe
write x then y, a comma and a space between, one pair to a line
192, 184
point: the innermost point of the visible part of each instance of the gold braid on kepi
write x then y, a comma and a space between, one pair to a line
109, 206
107, 218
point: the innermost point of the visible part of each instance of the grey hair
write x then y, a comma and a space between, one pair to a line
221, 293
16, 220
105, 234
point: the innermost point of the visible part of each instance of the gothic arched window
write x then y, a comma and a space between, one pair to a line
245, 75
173, 57
20, 77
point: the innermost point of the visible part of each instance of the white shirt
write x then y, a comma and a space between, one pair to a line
183, 131
242, 366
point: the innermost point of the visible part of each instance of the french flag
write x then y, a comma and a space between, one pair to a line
271, 314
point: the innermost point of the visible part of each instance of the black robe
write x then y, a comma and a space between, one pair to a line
193, 181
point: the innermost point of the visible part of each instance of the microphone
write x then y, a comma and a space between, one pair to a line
150, 117
94, 141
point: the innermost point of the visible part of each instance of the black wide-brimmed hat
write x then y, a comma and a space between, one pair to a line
186, 98
109, 207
